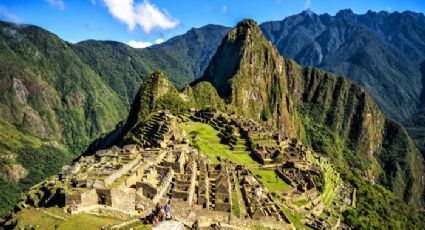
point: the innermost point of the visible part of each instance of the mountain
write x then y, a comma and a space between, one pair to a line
64, 96
52, 107
329, 113
379, 51
332, 114
183, 58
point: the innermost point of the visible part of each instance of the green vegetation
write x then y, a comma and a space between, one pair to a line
271, 180
19, 148
300, 203
235, 205
377, 208
55, 218
294, 217
209, 142
204, 96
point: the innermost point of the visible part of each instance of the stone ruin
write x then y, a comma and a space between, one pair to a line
163, 167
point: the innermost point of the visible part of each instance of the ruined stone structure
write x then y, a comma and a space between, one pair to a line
162, 167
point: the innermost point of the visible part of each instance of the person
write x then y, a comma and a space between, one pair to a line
162, 215
195, 225
167, 209
155, 220
157, 209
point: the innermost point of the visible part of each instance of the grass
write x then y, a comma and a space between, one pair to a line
295, 218
209, 143
41, 220
12, 139
235, 205
271, 180
300, 203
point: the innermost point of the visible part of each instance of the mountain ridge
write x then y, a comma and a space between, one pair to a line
21, 86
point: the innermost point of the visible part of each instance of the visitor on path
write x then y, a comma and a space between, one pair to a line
157, 209
167, 209
195, 225
155, 220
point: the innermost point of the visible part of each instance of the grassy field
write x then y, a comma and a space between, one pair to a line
209, 143
55, 218
295, 218
235, 205
271, 180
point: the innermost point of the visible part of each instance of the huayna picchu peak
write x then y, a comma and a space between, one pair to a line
240, 138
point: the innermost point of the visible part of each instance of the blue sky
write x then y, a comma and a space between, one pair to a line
145, 22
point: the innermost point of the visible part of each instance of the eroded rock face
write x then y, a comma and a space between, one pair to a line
21, 91
13, 172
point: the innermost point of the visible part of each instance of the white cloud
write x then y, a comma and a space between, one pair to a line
388, 9
139, 44
57, 4
223, 9
307, 4
93, 2
146, 15
159, 41
8, 16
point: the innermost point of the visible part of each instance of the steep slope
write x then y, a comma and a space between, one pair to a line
156, 93
50, 95
330, 113
183, 58
379, 51
416, 123
247, 72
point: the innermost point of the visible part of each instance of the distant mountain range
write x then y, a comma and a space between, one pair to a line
59, 97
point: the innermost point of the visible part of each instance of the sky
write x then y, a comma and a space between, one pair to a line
141, 23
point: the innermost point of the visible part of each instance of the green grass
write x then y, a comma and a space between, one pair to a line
295, 218
235, 205
41, 220
12, 139
209, 143
300, 203
271, 180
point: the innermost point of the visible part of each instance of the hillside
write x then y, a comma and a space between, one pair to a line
49, 95
380, 51
207, 165
71, 94
183, 58
330, 113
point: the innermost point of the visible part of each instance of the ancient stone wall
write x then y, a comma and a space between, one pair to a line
123, 199
89, 198
124, 169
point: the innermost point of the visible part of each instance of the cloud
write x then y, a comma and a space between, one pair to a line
146, 15
59, 4
223, 9
139, 44
388, 8
307, 4
93, 2
8, 16
159, 41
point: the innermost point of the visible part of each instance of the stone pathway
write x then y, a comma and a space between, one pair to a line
169, 225
52, 215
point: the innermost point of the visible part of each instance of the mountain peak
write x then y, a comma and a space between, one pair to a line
243, 39
154, 94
